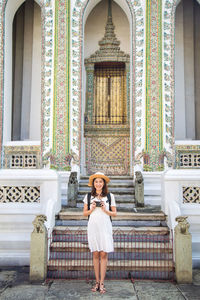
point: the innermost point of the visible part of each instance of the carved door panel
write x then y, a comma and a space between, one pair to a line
110, 95
107, 137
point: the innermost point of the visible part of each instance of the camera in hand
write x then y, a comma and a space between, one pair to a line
98, 203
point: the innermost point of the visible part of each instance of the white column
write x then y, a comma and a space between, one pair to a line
189, 68
180, 122
17, 74
35, 113
197, 68
27, 69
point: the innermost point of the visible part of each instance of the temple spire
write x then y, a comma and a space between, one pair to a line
109, 40
109, 45
109, 9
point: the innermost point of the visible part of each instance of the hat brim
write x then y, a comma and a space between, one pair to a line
94, 176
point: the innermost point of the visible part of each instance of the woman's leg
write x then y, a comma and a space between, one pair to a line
103, 266
96, 264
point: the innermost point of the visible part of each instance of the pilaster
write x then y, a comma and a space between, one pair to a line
61, 114
153, 156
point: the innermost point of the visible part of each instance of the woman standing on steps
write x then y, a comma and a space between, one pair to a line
100, 239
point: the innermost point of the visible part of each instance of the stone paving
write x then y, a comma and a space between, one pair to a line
15, 285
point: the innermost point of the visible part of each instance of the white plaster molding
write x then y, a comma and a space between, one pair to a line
16, 218
152, 188
187, 142
22, 143
173, 206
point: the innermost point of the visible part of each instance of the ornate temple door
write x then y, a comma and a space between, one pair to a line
106, 122
110, 94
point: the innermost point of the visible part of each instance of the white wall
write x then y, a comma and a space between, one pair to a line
173, 206
152, 188
180, 123
16, 218
11, 8
186, 70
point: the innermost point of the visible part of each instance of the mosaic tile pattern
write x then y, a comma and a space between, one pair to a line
168, 69
109, 155
47, 75
61, 115
20, 194
137, 72
22, 157
47, 70
191, 194
154, 111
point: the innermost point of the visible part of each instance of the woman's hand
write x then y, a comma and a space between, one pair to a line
103, 206
87, 212
93, 206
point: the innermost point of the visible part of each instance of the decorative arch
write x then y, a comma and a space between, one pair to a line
46, 70
169, 74
137, 59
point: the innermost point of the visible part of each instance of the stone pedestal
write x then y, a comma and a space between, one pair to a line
183, 251
38, 257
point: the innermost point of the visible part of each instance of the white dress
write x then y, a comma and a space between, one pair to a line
99, 228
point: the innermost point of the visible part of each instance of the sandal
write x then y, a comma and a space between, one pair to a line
102, 289
95, 287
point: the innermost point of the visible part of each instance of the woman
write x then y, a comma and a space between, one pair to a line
100, 237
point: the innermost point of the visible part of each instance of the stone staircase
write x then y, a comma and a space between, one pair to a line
121, 186
143, 246
142, 241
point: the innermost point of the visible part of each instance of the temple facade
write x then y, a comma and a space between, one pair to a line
97, 85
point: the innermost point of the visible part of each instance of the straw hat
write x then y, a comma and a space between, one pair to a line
97, 175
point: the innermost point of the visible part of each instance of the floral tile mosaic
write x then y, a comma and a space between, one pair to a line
137, 57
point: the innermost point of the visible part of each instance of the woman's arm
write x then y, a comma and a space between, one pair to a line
111, 213
87, 212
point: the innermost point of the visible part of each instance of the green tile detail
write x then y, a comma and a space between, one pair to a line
154, 101
62, 72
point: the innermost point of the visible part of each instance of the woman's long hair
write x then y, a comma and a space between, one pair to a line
104, 189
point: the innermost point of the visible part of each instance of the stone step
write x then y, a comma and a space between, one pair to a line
115, 191
133, 223
121, 186
116, 183
149, 209
121, 207
112, 265
135, 254
112, 178
78, 215
66, 230
118, 198
119, 247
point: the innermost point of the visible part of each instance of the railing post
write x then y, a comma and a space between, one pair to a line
72, 190
183, 251
38, 257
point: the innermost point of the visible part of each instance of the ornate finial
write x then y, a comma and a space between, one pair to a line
38, 223
109, 44
109, 40
183, 225
109, 9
